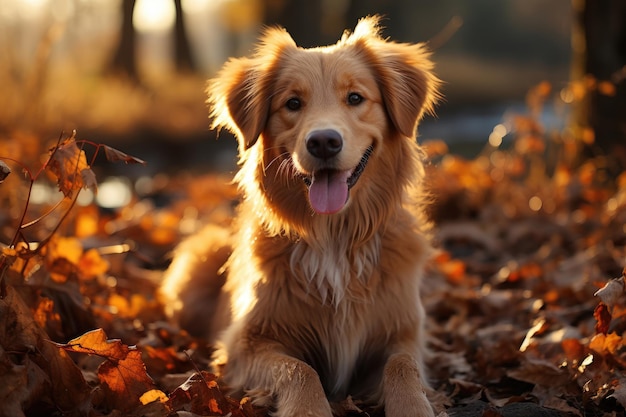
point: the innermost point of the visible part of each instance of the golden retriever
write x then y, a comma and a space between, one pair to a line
322, 295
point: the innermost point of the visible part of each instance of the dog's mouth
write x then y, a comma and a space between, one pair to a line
329, 189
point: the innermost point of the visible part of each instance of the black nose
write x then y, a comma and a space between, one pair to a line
324, 144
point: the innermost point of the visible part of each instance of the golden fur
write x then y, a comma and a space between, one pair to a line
322, 296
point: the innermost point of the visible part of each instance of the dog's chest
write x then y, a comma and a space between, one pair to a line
343, 333
333, 271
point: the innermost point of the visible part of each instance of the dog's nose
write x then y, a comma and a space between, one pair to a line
324, 144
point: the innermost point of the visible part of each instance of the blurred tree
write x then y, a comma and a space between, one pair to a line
599, 62
125, 60
183, 57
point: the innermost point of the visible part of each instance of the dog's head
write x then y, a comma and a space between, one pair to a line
324, 115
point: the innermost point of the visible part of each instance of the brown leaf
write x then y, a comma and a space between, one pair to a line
201, 395
540, 372
69, 165
34, 373
115, 155
612, 291
123, 373
620, 392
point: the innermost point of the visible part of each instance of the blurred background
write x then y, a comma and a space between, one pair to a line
131, 73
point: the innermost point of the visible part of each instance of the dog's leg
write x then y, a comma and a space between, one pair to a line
294, 385
299, 390
404, 388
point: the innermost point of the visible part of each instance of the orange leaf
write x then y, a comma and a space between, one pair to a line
606, 343
91, 264
123, 373
62, 256
67, 248
152, 396
69, 165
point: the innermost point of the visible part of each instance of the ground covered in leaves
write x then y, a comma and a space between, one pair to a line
526, 298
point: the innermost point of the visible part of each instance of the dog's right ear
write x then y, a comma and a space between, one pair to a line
240, 94
238, 101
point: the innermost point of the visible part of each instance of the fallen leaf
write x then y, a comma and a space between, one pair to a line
34, 372
153, 395
619, 392
606, 343
92, 265
201, 395
541, 372
123, 372
612, 291
603, 318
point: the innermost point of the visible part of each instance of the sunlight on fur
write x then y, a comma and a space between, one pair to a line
319, 298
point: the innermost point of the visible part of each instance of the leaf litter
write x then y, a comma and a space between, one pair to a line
525, 299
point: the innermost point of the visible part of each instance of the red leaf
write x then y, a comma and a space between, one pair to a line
603, 318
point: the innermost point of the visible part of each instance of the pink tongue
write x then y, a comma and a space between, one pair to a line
328, 192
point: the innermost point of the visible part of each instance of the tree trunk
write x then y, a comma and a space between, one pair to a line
182, 50
599, 61
125, 60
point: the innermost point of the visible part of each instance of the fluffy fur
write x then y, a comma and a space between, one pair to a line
322, 296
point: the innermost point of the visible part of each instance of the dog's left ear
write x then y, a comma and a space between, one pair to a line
240, 94
408, 85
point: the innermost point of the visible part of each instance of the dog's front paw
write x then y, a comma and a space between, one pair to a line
404, 389
300, 393
305, 407
416, 406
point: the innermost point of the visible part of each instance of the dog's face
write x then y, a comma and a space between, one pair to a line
327, 117
324, 116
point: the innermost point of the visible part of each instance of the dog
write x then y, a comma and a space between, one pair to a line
319, 297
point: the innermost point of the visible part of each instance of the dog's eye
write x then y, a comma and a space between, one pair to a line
354, 99
293, 104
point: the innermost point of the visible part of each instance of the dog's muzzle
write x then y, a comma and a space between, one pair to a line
329, 189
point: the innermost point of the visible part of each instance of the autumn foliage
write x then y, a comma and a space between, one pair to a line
526, 298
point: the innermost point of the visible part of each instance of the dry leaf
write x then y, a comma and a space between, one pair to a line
152, 396
123, 372
611, 293
69, 165
115, 155
603, 318
201, 395
34, 371
541, 372
92, 265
